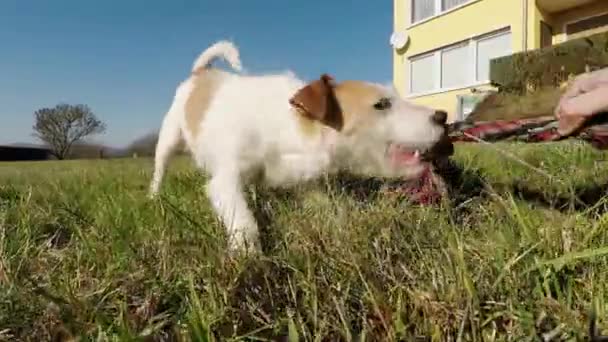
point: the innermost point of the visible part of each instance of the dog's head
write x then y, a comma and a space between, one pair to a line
377, 133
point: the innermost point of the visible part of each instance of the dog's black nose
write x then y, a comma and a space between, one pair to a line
440, 117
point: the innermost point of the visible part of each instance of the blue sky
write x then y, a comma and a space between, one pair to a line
125, 57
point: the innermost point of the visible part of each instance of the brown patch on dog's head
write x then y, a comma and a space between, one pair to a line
357, 100
317, 101
338, 106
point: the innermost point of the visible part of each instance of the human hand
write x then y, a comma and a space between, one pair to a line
585, 97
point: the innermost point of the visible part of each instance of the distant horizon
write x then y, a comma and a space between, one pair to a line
124, 60
40, 144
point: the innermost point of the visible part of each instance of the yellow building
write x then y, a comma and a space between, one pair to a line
442, 48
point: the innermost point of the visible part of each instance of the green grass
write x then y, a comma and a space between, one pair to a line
83, 254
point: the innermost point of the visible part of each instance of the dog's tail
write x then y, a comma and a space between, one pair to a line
170, 134
222, 49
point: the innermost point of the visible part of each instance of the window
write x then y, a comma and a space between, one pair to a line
423, 74
423, 9
459, 65
448, 4
488, 49
453, 70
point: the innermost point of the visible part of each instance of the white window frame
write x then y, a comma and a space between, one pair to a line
460, 115
472, 67
439, 11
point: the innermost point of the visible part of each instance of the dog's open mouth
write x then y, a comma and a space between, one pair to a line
427, 187
401, 155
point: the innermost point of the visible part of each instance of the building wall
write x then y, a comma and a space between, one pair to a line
472, 19
475, 18
535, 16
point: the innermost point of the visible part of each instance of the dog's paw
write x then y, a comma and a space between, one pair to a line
153, 191
243, 242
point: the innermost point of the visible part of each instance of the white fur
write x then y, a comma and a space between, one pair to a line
224, 49
250, 127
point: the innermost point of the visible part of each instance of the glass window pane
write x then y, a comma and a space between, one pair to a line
455, 67
488, 49
423, 73
422, 9
447, 4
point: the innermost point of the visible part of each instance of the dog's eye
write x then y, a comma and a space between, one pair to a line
383, 104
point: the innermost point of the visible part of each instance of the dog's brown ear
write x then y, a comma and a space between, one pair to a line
317, 101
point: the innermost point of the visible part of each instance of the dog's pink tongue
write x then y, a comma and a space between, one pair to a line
401, 156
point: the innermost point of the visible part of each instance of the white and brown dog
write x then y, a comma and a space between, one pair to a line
290, 131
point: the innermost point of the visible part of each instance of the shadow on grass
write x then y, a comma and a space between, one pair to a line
462, 185
582, 198
260, 305
256, 300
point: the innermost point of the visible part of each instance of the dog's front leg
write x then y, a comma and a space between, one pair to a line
228, 200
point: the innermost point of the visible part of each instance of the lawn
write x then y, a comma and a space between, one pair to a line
84, 254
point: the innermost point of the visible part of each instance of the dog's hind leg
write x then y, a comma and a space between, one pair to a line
169, 138
228, 200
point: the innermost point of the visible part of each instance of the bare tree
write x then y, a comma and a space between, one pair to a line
60, 127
